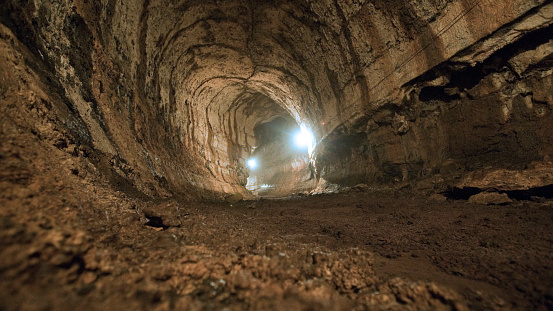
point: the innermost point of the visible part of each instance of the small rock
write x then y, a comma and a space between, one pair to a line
400, 125
88, 277
243, 280
437, 198
163, 215
521, 62
361, 188
77, 238
85, 289
234, 198
490, 198
538, 199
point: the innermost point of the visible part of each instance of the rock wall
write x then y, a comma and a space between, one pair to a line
485, 117
169, 94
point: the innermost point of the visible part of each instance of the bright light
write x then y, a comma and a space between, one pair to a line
252, 163
303, 138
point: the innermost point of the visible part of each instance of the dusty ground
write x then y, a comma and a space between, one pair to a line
62, 250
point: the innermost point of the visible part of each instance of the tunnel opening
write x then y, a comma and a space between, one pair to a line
279, 161
260, 133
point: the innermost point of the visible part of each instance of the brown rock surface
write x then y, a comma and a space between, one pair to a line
176, 92
124, 126
490, 198
509, 180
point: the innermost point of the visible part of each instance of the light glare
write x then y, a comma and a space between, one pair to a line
303, 138
252, 163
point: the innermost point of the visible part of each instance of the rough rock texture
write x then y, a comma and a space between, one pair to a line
490, 198
126, 127
172, 92
506, 180
459, 117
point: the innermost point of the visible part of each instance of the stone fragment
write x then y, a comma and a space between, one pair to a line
437, 198
509, 180
163, 215
234, 198
88, 277
490, 198
400, 125
361, 188
522, 61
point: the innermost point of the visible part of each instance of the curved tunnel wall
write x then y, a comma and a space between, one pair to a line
172, 91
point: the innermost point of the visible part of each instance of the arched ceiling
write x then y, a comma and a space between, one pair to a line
179, 86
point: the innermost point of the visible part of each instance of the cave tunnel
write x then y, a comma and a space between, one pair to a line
270, 155
280, 159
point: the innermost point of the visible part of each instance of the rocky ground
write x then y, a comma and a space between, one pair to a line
67, 247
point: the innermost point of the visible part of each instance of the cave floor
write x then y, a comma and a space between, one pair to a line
363, 251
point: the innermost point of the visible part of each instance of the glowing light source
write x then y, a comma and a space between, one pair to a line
252, 163
304, 138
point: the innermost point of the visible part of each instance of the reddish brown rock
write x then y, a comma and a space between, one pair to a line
490, 198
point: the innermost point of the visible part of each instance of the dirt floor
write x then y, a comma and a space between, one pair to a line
63, 250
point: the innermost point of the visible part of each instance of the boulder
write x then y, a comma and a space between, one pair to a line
540, 175
490, 198
234, 198
360, 188
437, 198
